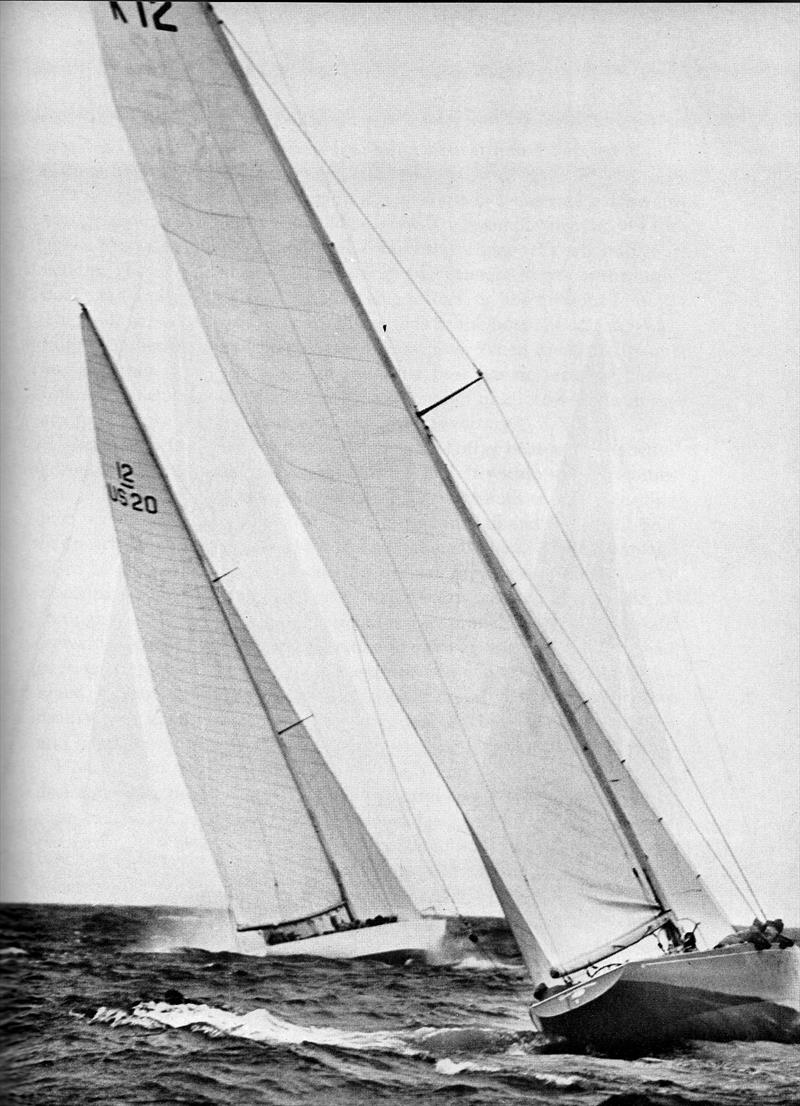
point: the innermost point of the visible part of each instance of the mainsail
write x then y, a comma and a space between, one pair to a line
285, 838
573, 848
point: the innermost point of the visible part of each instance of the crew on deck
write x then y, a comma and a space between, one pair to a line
279, 936
762, 935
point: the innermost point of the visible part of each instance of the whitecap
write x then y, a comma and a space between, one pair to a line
257, 1025
267, 1028
478, 963
446, 1066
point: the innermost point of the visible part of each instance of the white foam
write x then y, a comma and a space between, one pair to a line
257, 1025
483, 963
260, 1025
455, 1067
446, 1066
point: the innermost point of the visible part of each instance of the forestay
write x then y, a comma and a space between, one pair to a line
218, 710
322, 399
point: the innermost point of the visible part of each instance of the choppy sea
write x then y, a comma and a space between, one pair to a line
85, 1021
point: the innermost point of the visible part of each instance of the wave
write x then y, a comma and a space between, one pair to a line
264, 1027
456, 1067
257, 1025
487, 963
542, 1079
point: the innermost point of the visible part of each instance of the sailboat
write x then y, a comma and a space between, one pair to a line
300, 870
584, 868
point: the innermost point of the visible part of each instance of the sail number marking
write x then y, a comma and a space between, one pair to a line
124, 491
157, 16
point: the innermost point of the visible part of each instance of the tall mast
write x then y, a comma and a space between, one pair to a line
551, 669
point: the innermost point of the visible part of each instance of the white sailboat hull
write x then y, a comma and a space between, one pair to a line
395, 941
736, 993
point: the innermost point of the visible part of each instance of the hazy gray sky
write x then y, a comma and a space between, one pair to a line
601, 200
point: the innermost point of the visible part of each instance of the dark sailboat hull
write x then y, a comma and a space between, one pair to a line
731, 994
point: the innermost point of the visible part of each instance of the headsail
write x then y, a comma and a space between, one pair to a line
266, 803
325, 403
372, 887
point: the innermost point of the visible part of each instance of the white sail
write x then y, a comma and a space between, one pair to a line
323, 400
253, 797
371, 886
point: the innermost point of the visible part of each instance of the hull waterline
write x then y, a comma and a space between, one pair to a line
395, 942
729, 994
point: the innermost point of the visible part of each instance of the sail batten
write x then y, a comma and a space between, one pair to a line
331, 414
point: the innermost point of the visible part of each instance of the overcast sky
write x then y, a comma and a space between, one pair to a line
601, 201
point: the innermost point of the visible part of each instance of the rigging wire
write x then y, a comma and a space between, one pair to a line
518, 446
557, 621
618, 637
698, 686
323, 160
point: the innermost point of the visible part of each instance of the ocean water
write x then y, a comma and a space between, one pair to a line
84, 1022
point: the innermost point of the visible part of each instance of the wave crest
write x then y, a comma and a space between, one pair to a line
264, 1027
